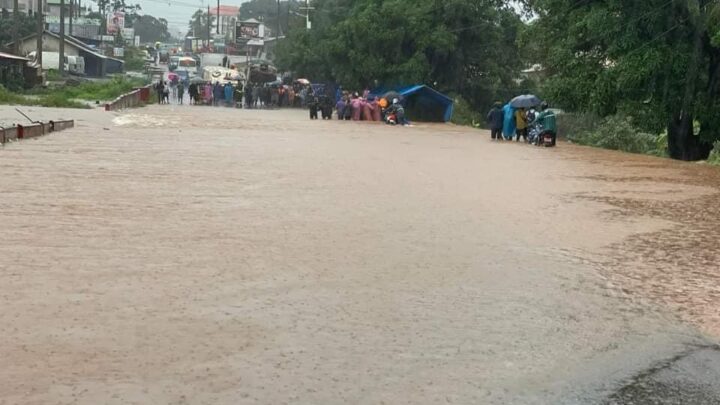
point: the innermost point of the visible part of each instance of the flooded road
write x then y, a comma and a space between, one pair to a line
213, 256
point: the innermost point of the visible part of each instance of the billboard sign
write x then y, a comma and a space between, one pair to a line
247, 30
115, 22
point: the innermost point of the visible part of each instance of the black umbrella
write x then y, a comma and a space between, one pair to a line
525, 101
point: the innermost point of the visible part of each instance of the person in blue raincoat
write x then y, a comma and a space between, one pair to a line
228, 93
509, 121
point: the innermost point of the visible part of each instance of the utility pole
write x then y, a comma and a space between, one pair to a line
307, 9
209, 25
277, 35
40, 31
217, 30
16, 17
72, 12
61, 67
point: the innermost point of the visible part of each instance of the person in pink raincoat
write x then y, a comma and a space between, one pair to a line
208, 93
356, 107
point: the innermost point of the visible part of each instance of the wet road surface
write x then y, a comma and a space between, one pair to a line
213, 256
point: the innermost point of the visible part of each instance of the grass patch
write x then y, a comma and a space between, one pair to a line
8, 97
714, 158
93, 91
48, 100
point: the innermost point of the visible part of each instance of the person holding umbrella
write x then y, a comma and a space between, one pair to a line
520, 103
521, 125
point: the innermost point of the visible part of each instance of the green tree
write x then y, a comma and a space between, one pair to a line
466, 47
198, 25
267, 12
26, 26
150, 29
657, 61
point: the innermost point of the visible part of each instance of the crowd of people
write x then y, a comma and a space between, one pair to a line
346, 105
233, 94
507, 122
356, 107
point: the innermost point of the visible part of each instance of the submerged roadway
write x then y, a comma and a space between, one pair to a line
198, 255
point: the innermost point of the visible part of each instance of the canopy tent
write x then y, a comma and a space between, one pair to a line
423, 103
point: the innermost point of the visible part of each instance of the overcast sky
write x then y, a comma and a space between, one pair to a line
177, 12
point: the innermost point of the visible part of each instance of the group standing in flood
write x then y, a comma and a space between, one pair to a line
506, 122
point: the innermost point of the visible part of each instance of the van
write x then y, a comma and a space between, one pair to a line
51, 60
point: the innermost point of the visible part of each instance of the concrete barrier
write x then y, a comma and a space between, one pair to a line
10, 134
30, 131
62, 124
132, 99
33, 130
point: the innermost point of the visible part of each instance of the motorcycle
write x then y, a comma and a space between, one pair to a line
536, 136
391, 118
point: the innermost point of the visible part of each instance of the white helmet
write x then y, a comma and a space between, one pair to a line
395, 101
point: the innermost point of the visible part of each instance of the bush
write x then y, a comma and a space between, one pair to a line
49, 100
572, 125
59, 101
714, 157
134, 60
464, 114
618, 133
8, 97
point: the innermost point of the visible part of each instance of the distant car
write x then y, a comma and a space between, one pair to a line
173, 63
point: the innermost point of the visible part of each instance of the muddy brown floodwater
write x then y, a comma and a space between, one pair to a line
189, 255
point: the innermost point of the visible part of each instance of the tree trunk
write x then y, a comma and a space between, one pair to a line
683, 144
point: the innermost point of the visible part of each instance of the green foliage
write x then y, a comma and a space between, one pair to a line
653, 60
617, 133
464, 47
714, 157
198, 25
49, 100
464, 114
58, 100
68, 95
25, 24
101, 91
13, 81
267, 11
134, 59
53, 75
9, 97
150, 29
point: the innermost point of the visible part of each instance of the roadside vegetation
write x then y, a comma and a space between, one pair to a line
71, 95
640, 76
49, 100
714, 158
92, 90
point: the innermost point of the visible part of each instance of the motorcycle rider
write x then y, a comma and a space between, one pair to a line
547, 120
399, 111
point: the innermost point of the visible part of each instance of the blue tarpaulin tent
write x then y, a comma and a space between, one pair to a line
423, 103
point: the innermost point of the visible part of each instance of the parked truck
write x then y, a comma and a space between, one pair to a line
51, 60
